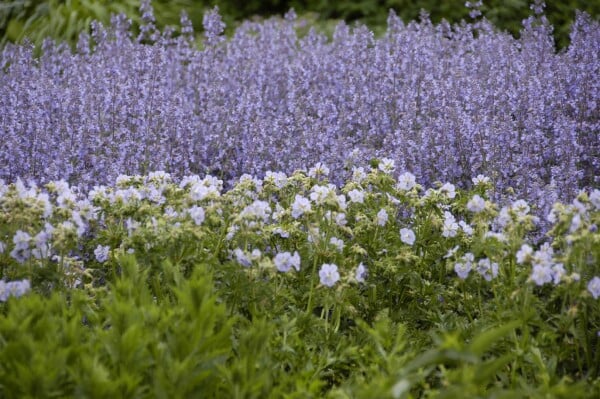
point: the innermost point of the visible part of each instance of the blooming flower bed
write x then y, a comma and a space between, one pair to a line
353, 217
445, 102
381, 254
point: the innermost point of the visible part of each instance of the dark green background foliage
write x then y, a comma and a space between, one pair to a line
63, 19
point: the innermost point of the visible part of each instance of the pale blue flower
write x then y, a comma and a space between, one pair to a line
337, 243
242, 258
358, 174
21, 240
450, 227
284, 261
357, 196
462, 269
102, 252
197, 214
16, 289
466, 227
387, 165
541, 274
487, 269
300, 206
594, 287
361, 273
329, 274
406, 181
480, 179
382, 217
520, 207
524, 254
320, 169
558, 272
476, 204
449, 190
407, 236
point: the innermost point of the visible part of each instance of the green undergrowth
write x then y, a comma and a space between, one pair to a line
143, 296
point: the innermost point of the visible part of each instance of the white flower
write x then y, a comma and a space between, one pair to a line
361, 273
318, 170
300, 206
329, 274
101, 253
520, 207
358, 174
524, 254
541, 274
284, 261
450, 227
277, 178
387, 165
357, 196
449, 190
476, 204
480, 179
336, 242
382, 217
594, 287
406, 181
257, 210
197, 214
407, 236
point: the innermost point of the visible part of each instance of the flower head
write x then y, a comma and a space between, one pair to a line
284, 261
101, 253
387, 165
476, 204
407, 236
382, 217
300, 206
406, 181
329, 274
594, 287
361, 273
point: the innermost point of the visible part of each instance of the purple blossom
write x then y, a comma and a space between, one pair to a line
446, 102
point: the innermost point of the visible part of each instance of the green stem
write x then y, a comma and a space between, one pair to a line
312, 286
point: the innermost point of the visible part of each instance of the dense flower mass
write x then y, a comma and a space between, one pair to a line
445, 102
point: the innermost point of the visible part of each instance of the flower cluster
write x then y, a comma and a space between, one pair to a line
278, 223
447, 102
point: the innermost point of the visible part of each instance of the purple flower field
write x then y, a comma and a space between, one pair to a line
444, 102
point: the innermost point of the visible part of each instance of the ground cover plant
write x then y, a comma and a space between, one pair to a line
276, 215
290, 286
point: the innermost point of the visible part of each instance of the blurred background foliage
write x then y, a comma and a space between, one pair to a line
64, 19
